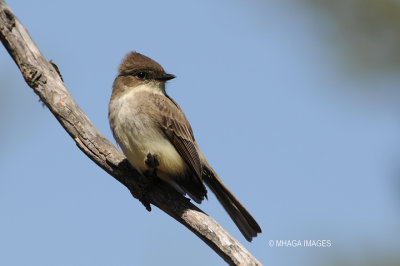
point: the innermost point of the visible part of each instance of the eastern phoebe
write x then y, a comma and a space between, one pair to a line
156, 137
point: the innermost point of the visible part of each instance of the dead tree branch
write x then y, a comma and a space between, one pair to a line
43, 77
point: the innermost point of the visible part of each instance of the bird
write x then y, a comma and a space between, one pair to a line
156, 137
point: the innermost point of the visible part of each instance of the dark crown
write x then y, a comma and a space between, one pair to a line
135, 62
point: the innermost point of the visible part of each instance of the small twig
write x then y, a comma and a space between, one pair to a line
45, 80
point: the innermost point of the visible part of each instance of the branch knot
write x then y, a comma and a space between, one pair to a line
9, 16
33, 76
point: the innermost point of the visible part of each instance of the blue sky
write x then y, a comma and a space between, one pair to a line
309, 146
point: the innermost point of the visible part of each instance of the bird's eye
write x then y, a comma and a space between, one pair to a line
141, 75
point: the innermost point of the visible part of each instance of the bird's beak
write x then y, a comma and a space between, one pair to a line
166, 77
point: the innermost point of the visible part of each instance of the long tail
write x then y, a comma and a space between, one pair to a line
242, 218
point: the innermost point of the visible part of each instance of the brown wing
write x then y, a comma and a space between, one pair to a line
176, 127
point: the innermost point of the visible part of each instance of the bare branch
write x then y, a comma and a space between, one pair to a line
44, 78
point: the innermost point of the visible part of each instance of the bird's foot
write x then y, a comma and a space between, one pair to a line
151, 173
152, 162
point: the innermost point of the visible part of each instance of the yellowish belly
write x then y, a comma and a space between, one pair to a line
170, 162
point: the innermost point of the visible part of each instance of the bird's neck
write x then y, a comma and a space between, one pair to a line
151, 87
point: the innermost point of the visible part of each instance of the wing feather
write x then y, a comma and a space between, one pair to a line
176, 127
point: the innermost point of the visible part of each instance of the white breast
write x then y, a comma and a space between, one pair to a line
137, 134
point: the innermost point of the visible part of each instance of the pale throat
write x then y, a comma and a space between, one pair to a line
151, 86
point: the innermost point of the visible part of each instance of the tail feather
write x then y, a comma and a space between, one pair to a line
240, 216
